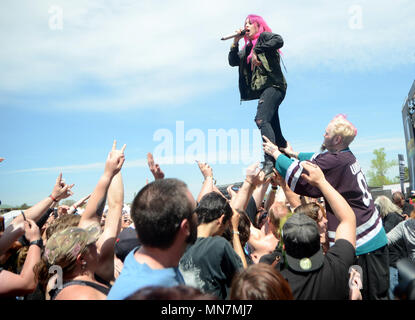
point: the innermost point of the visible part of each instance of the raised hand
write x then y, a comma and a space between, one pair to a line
239, 36
154, 167
289, 151
254, 176
115, 160
32, 231
82, 200
276, 179
205, 169
231, 192
270, 148
61, 190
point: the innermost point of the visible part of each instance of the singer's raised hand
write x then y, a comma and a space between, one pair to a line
239, 37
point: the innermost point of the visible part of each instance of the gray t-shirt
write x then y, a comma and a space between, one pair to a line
406, 231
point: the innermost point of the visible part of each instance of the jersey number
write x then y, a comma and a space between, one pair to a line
367, 197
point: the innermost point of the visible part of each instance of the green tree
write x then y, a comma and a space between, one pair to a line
24, 206
379, 167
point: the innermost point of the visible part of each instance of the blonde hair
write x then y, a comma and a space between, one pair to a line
386, 206
344, 128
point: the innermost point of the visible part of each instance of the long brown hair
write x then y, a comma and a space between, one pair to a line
260, 282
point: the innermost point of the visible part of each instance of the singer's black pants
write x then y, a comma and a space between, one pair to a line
267, 118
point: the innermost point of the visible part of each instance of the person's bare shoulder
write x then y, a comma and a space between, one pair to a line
80, 292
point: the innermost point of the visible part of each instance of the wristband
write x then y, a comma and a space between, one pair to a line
274, 188
235, 232
38, 243
54, 200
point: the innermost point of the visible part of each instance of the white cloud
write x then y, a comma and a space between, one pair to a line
141, 52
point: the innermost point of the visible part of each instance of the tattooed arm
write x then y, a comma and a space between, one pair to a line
96, 203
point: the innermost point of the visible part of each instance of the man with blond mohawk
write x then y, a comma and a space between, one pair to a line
343, 172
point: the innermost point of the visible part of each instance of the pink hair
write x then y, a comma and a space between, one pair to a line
262, 26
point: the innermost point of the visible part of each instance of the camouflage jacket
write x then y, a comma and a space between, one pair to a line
253, 82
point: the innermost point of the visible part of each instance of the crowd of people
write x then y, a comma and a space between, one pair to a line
303, 227
312, 231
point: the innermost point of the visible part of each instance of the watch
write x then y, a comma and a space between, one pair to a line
38, 243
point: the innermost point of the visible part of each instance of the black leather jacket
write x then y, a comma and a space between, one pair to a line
269, 73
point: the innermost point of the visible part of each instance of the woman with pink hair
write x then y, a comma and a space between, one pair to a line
260, 77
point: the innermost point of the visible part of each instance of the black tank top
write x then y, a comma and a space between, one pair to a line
54, 292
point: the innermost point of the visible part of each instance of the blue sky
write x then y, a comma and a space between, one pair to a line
136, 70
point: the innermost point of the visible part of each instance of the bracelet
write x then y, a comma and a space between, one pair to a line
274, 188
54, 200
38, 243
235, 232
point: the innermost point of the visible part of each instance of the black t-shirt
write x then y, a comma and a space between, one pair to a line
391, 220
209, 265
330, 282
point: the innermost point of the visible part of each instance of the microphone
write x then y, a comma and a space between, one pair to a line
234, 35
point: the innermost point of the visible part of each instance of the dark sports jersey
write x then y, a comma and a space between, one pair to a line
343, 172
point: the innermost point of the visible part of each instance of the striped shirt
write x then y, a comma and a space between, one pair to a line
343, 172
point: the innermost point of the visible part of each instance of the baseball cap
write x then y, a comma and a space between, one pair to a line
302, 243
63, 247
126, 241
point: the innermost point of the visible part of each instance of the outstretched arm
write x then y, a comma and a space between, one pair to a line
12, 284
254, 178
16, 229
291, 170
77, 204
233, 57
396, 233
96, 203
236, 242
208, 185
60, 191
106, 241
292, 198
289, 151
259, 194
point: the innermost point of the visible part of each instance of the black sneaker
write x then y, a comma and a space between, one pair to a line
268, 167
